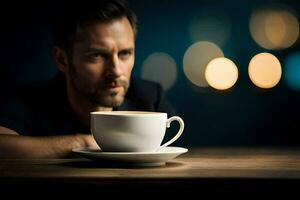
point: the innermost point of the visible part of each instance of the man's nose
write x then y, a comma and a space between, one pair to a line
114, 67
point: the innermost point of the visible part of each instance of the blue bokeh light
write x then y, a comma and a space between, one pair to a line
292, 71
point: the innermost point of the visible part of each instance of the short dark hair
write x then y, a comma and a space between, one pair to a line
78, 13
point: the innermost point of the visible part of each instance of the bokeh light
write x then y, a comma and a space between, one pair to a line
265, 70
195, 61
160, 67
221, 73
292, 71
274, 28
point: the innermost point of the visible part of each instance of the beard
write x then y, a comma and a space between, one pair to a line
98, 94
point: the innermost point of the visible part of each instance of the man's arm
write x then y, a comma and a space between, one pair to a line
13, 145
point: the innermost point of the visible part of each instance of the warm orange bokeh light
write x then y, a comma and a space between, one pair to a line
196, 59
221, 73
265, 70
274, 28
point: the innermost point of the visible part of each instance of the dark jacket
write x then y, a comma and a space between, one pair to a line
42, 108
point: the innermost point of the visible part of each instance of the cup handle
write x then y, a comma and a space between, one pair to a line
181, 123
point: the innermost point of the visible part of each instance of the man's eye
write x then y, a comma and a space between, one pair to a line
96, 55
125, 53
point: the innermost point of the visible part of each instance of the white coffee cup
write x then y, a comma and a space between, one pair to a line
132, 131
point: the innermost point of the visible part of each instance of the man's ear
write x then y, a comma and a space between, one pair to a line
60, 58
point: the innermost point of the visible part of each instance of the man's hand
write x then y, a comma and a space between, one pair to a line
13, 145
89, 140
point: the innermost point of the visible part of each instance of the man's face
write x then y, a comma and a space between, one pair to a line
101, 62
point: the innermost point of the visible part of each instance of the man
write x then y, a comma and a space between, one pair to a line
94, 48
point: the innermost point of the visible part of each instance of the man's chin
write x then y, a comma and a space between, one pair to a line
111, 100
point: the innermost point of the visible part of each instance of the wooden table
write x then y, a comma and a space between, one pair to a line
201, 170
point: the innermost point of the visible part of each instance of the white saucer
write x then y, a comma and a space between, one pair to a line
132, 158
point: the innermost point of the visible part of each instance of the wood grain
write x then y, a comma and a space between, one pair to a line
206, 167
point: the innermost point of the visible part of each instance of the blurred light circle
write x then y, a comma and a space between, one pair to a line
292, 71
160, 67
274, 28
196, 59
221, 73
265, 70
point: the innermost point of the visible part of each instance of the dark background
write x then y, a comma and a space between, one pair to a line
243, 115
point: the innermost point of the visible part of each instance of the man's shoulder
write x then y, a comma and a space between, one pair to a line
147, 96
31, 95
32, 105
144, 89
22, 92
142, 83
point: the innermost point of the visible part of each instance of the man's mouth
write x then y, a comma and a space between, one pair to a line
114, 85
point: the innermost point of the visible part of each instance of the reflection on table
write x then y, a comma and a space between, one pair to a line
269, 170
